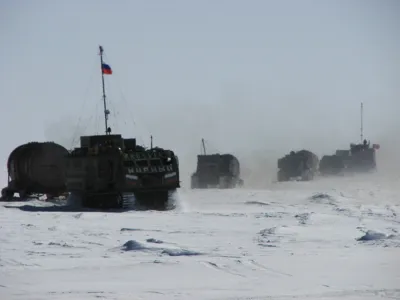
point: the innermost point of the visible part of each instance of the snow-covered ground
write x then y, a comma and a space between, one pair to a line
327, 239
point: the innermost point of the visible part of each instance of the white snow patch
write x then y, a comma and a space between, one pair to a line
296, 247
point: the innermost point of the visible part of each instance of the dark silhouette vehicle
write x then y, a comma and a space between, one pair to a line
108, 172
360, 158
301, 165
216, 171
36, 168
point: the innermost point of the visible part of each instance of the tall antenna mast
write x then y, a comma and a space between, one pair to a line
362, 121
204, 146
107, 69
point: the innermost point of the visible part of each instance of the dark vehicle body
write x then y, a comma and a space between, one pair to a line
359, 159
216, 171
107, 171
301, 165
36, 168
331, 165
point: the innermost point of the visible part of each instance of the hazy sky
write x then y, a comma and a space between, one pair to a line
264, 76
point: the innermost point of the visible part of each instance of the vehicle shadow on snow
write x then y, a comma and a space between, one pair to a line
62, 208
73, 208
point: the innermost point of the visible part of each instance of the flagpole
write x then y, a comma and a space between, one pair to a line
362, 122
106, 112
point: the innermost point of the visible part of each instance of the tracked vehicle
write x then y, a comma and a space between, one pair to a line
359, 158
216, 171
108, 171
301, 165
362, 157
331, 165
35, 169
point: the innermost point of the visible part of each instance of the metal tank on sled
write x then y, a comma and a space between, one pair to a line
216, 171
36, 168
301, 165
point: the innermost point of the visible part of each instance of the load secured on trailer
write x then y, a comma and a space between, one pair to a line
36, 168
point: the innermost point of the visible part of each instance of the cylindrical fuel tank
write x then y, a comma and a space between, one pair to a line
37, 167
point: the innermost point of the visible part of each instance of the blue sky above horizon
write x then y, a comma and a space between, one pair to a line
245, 75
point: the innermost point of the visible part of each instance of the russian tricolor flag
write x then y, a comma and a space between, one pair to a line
106, 69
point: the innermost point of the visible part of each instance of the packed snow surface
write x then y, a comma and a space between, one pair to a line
332, 238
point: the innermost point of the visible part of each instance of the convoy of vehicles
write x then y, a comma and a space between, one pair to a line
109, 171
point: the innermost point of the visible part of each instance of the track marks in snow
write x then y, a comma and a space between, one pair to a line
222, 268
140, 229
94, 294
65, 245
220, 214
259, 203
242, 268
17, 263
389, 213
254, 265
341, 206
